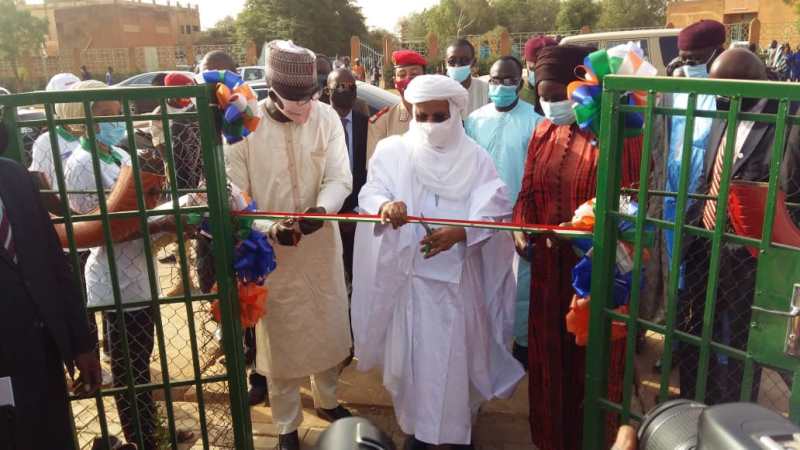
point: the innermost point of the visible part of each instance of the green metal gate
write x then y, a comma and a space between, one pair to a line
190, 385
734, 333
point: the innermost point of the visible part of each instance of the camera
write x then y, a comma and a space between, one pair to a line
688, 425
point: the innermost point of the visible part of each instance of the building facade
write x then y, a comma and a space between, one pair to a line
101, 24
758, 21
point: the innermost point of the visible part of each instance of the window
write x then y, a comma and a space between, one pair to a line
669, 48
642, 44
196, 28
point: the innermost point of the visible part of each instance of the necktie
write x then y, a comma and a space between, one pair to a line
345, 121
710, 210
6, 240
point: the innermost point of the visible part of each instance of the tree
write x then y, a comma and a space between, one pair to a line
450, 19
377, 36
527, 16
223, 32
575, 14
414, 25
21, 34
304, 22
618, 14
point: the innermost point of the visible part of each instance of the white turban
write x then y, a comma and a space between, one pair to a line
75, 110
444, 158
62, 82
426, 88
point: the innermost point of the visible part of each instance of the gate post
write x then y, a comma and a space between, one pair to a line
222, 229
603, 264
355, 48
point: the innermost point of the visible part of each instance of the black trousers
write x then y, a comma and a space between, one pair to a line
735, 295
141, 339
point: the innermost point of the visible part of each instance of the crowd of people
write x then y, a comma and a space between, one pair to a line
453, 317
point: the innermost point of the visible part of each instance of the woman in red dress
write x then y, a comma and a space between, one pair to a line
560, 174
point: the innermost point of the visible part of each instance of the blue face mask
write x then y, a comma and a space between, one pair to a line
531, 78
111, 133
459, 73
698, 71
502, 96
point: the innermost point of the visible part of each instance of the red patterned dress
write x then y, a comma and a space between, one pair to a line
561, 174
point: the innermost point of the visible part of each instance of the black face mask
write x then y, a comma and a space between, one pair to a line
343, 99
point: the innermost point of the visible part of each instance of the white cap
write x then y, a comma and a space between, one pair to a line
62, 82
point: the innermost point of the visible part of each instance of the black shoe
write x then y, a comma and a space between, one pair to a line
332, 415
101, 444
412, 443
288, 441
257, 395
170, 259
462, 447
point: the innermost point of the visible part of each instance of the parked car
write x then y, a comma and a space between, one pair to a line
375, 97
146, 105
660, 46
252, 74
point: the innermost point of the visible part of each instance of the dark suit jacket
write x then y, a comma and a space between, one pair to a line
360, 123
42, 275
752, 162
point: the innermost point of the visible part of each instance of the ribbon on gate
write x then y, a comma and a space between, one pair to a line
586, 93
238, 102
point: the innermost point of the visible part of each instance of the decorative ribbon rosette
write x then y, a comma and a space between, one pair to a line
238, 102
577, 318
254, 259
586, 94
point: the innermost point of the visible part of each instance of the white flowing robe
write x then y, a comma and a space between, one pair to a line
440, 328
290, 167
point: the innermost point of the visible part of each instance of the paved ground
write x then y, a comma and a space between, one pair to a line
502, 424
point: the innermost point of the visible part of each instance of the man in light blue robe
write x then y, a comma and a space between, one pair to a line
504, 127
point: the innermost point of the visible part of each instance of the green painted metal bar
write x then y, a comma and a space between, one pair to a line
730, 88
129, 214
112, 265
139, 118
222, 230
747, 379
774, 174
641, 214
149, 387
677, 244
716, 244
161, 301
657, 193
720, 115
603, 258
172, 177
151, 277
73, 249
617, 408
695, 231
794, 398
116, 94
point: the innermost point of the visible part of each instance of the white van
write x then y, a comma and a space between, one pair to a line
660, 45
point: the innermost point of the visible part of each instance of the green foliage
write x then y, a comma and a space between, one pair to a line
21, 34
632, 13
575, 14
375, 38
527, 16
223, 32
322, 25
450, 18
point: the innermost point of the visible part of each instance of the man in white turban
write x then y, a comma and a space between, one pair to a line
435, 310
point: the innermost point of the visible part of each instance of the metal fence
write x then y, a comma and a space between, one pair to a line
169, 367
731, 287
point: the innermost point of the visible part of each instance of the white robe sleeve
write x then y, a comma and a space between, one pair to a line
488, 202
236, 167
337, 181
380, 180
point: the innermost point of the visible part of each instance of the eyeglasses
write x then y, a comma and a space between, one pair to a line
301, 102
435, 117
504, 81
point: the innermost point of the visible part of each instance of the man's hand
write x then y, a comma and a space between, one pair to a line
89, 378
441, 240
394, 213
284, 233
523, 246
308, 226
626, 438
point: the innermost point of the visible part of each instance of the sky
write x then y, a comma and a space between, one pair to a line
379, 13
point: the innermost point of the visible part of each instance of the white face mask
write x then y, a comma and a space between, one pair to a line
560, 113
437, 135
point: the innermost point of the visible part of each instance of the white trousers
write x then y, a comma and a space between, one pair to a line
284, 397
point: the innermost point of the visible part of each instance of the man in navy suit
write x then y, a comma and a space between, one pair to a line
43, 323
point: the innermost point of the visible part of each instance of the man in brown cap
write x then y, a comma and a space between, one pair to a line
297, 160
408, 64
532, 48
